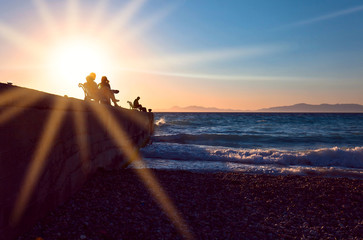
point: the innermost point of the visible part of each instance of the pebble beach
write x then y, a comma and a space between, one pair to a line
224, 205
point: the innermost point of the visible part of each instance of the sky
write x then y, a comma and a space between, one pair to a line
232, 54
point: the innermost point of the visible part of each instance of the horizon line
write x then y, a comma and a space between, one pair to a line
264, 109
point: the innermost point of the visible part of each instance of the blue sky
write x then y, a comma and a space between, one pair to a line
332, 41
240, 54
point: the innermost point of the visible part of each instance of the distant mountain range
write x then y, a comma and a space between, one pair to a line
301, 107
197, 109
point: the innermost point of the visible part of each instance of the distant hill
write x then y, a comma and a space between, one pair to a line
303, 107
196, 109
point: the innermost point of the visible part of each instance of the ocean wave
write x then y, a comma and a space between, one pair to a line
211, 166
251, 140
206, 139
324, 157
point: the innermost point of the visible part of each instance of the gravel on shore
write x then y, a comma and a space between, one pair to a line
117, 205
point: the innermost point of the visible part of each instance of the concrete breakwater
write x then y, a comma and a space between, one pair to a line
50, 145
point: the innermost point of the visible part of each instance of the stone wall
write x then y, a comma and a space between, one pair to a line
75, 154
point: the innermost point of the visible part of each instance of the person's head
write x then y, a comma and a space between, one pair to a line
93, 75
138, 98
89, 78
104, 79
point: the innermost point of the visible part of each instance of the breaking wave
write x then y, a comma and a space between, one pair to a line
160, 122
325, 157
260, 142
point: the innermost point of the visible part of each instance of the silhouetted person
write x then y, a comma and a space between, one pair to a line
106, 92
138, 105
90, 86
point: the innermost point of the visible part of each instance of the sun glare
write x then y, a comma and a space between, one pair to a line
74, 58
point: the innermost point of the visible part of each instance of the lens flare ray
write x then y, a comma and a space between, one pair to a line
19, 40
38, 161
19, 105
24, 67
73, 11
147, 24
95, 18
11, 95
81, 131
47, 17
123, 17
123, 142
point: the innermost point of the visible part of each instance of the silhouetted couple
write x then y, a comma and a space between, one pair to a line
138, 105
100, 93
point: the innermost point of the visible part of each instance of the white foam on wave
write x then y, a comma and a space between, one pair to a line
160, 122
325, 157
213, 166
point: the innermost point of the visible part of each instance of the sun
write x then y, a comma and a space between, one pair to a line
73, 58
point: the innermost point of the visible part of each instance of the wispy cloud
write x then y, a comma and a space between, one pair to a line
219, 55
323, 17
220, 77
212, 55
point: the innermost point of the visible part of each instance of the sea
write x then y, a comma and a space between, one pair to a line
313, 144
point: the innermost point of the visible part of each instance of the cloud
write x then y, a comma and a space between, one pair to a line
220, 77
213, 55
323, 17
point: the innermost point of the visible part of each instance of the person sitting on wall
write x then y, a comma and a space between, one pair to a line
138, 105
90, 88
106, 93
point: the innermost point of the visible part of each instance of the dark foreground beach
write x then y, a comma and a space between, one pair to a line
117, 205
